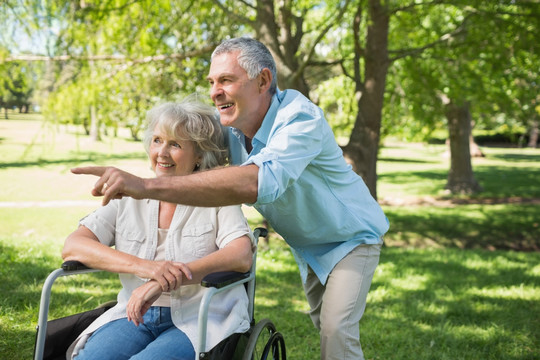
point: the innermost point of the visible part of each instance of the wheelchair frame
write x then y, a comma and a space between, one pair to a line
215, 282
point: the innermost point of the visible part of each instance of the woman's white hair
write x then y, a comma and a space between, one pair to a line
190, 120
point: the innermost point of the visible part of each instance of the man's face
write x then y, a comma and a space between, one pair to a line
237, 98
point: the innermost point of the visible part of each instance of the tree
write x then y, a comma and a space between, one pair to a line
292, 30
128, 55
426, 48
370, 66
472, 77
16, 86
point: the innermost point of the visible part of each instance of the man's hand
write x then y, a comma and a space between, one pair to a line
113, 183
141, 300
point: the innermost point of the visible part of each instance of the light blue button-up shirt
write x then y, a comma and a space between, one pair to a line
307, 191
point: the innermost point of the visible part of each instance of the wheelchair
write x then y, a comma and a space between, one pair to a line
261, 341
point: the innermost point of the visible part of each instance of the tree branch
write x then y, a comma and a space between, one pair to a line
115, 58
442, 39
331, 22
242, 19
358, 50
247, 4
413, 5
326, 63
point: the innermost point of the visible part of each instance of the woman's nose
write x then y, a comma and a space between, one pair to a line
163, 150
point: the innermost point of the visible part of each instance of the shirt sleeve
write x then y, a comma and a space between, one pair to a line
102, 222
289, 150
232, 224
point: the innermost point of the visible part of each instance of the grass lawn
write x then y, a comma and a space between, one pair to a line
449, 285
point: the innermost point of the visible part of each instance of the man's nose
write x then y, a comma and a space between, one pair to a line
215, 90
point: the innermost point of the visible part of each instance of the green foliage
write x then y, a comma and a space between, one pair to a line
122, 91
17, 84
340, 109
437, 50
481, 52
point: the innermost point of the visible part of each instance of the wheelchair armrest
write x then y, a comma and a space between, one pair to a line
73, 265
223, 278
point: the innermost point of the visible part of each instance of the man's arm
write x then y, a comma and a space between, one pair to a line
219, 187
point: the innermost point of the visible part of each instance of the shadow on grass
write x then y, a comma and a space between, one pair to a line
21, 283
75, 160
435, 304
280, 298
517, 157
508, 181
16, 277
508, 227
453, 304
403, 160
497, 181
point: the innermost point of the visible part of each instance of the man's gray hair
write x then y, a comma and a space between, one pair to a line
254, 57
190, 120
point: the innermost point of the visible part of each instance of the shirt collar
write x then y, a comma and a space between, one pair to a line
268, 122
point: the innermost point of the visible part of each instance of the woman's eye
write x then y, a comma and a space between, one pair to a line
177, 145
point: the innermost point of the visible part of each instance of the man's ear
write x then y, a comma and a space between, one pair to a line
265, 80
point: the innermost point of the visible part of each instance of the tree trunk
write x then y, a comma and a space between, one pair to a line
282, 33
94, 124
533, 137
474, 148
363, 146
460, 177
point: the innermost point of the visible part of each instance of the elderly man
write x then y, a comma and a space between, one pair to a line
287, 164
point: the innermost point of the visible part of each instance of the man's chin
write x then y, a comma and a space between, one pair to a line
226, 121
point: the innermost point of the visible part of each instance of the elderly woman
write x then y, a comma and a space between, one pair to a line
163, 250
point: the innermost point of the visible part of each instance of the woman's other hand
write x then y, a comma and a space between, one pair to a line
141, 300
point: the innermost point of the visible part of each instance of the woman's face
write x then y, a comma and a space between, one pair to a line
171, 156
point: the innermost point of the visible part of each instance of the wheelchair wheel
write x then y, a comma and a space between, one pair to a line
265, 343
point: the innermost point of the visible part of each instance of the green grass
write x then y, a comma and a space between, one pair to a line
433, 303
504, 216
413, 170
447, 286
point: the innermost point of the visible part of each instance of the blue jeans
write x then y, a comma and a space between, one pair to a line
157, 338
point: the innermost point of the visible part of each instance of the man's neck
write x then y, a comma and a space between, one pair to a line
257, 119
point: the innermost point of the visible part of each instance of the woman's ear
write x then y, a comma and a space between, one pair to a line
198, 163
265, 80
